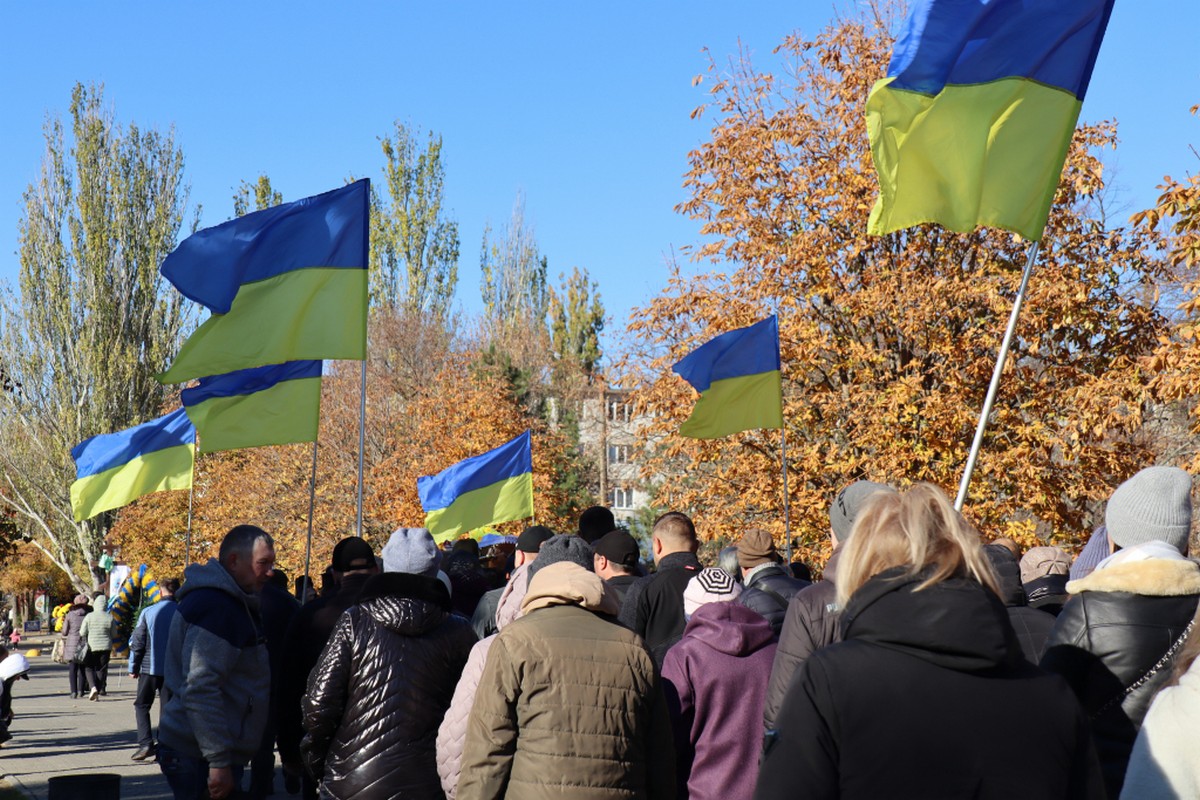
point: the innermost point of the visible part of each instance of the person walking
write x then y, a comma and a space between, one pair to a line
97, 631
569, 703
384, 681
218, 673
927, 694
716, 682
1114, 639
72, 624
148, 662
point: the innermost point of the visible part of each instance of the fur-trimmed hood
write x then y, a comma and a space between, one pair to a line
1154, 577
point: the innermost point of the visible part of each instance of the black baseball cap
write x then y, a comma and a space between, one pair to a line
618, 547
352, 553
530, 540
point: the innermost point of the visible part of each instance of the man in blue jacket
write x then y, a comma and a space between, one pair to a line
150, 639
218, 671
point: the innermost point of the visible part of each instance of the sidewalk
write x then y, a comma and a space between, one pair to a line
55, 735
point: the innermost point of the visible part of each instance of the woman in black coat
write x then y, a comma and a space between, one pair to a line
928, 694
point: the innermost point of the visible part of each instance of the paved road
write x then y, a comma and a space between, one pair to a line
55, 735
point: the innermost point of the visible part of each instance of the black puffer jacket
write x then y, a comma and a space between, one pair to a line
927, 696
768, 592
1118, 623
380, 689
1032, 626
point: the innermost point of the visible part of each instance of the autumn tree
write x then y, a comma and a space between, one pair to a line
888, 343
91, 321
514, 285
414, 243
255, 196
576, 321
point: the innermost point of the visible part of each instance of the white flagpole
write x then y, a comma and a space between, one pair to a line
995, 385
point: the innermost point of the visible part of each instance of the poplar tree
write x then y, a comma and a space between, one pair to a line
90, 321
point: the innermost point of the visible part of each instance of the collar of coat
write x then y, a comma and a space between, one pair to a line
405, 584
567, 584
1155, 577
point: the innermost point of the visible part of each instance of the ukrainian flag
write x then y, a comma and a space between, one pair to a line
114, 469
738, 377
972, 124
279, 404
288, 283
496, 486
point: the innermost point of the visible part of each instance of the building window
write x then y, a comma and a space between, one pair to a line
618, 410
622, 497
618, 453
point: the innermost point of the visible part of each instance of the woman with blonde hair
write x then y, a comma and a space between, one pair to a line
1165, 762
927, 695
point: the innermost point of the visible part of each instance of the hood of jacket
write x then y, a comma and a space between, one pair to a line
100, 602
567, 584
1008, 574
1155, 577
508, 607
957, 623
407, 604
214, 576
729, 627
829, 573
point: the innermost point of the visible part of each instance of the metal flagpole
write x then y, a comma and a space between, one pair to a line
312, 501
995, 385
362, 442
187, 538
787, 513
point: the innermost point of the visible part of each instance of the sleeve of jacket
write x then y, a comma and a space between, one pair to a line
452, 733
681, 707
137, 646
208, 660
628, 615
661, 775
491, 740
1067, 652
796, 643
324, 702
483, 621
83, 628
802, 750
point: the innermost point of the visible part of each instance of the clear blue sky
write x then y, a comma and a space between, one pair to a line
584, 107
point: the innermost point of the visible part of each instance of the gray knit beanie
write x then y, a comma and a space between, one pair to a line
411, 550
563, 547
1155, 504
847, 504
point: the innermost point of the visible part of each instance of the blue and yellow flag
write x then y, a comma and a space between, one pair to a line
738, 377
279, 404
496, 486
114, 469
288, 283
972, 124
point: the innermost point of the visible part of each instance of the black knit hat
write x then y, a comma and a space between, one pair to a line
563, 547
532, 538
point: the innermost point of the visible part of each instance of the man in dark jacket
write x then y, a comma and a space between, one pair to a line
528, 544
1032, 626
653, 606
768, 587
353, 565
1114, 639
278, 608
616, 561
217, 673
385, 679
811, 621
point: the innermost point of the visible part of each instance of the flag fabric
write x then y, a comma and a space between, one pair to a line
278, 404
738, 377
114, 469
288, 283
972, 124
496, 486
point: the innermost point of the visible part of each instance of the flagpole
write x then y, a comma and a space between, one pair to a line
995, 385
787, 512
312, 501
187, 537
362, 440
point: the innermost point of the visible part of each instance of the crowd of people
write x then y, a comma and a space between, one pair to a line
923, 663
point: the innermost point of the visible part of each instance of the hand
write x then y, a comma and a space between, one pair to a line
220, 782
133, 674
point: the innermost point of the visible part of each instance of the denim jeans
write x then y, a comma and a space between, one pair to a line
188, 776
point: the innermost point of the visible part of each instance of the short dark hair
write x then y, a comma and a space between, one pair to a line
170, 586
241, 539
676, 529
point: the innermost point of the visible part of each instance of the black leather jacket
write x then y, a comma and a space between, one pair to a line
378, 693
768, 592
1118, 624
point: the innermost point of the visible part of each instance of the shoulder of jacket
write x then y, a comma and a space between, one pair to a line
1158, 577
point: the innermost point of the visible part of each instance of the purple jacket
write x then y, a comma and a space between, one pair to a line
716, 684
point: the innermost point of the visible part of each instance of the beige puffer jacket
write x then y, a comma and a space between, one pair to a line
453, 731
569, 704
